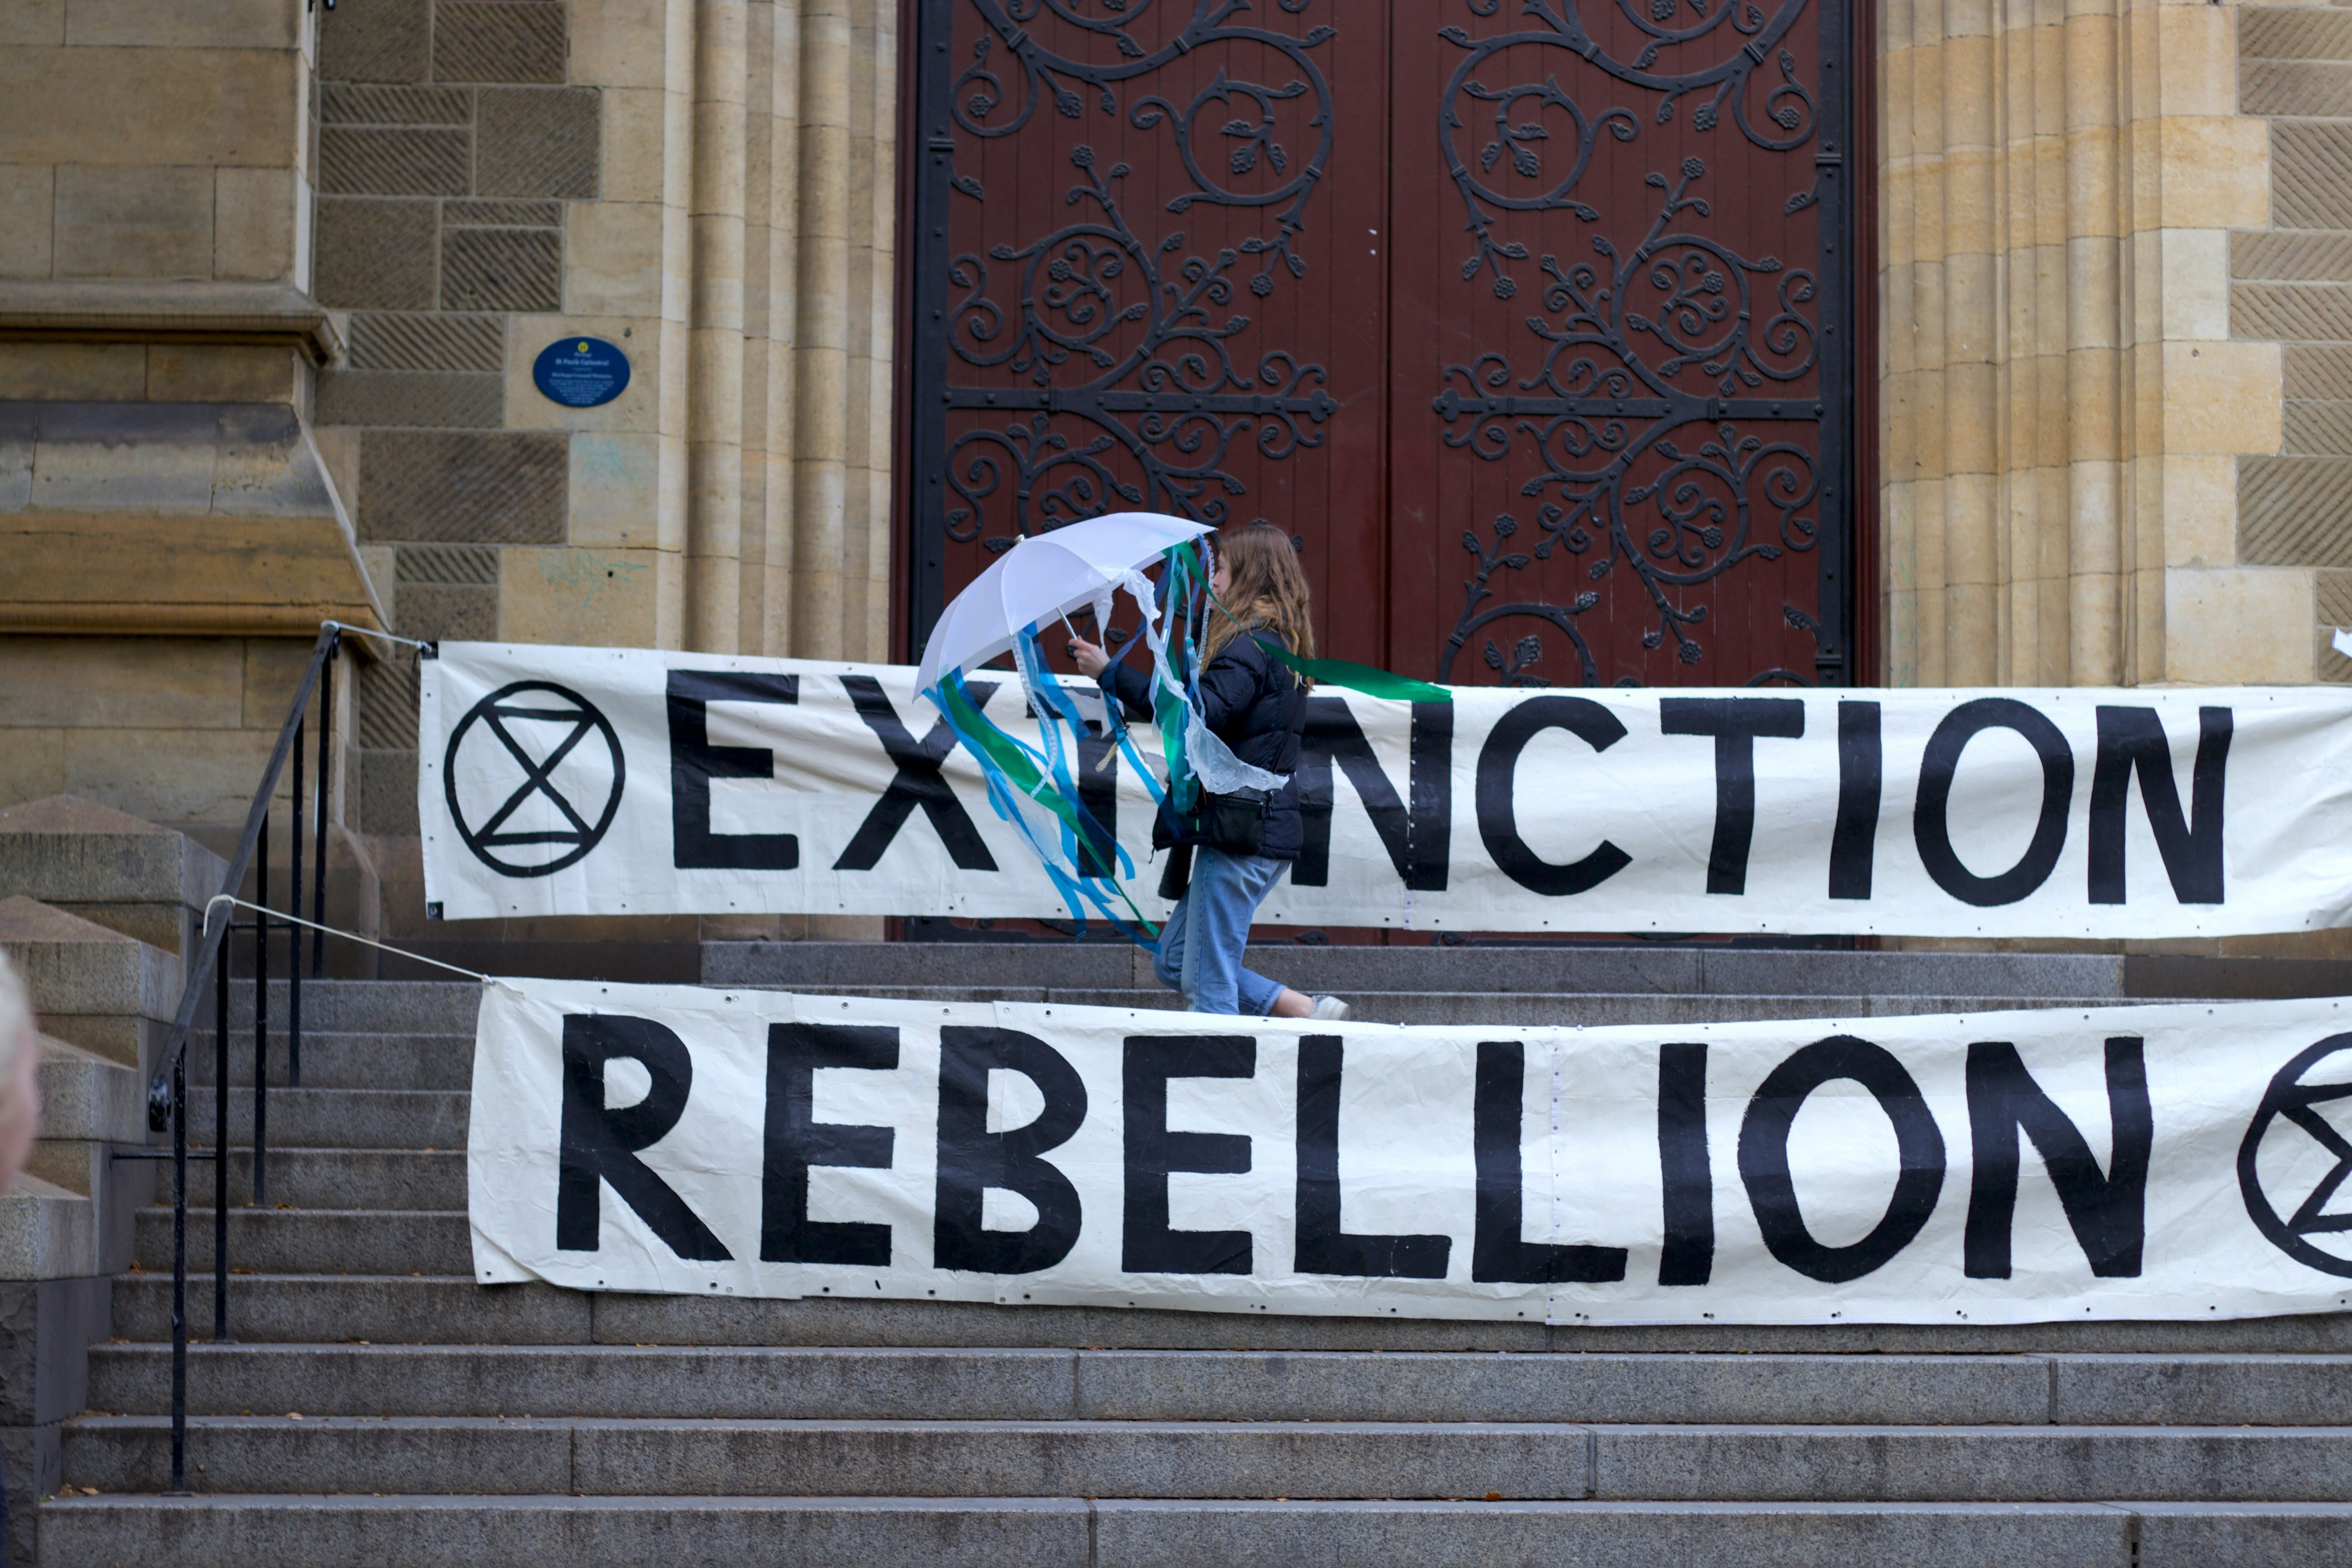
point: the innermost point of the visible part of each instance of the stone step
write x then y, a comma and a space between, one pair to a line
1334, 1460
445, 1061
385, 1308
1527, 987
313, 1178
426, 1531
836, 1384
864, 1457
329, 1060
315, 1241
347, 1060
1655, 969
424, 1119
424, 1308
389, 1006
1534, 1009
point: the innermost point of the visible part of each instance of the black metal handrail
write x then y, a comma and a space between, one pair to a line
167, 1102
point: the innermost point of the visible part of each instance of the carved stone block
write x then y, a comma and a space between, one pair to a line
537, 142
463, 487
502, 41
2311, 176
448, 565
502, 215
432, 398
501, 270
468, 614
375, 255
386, 40
427, 342
2294, 511
372, 161
351, 105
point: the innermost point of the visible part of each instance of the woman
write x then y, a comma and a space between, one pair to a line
1257, 707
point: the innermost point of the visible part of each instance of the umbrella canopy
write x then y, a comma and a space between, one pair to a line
1043, 576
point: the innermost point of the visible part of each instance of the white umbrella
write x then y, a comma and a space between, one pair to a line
1043, 576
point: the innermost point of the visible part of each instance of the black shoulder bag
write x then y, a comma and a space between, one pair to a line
1236, 822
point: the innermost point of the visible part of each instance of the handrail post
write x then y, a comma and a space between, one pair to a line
220, 1142
326, 759
209, 960
261, 1013
180, 1273
294, 932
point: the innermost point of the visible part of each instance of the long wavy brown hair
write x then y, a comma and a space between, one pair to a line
1264, 589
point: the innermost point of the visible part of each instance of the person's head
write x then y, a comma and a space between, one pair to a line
1259, 580
20, 1081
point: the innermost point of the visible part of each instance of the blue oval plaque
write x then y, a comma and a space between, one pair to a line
581, 373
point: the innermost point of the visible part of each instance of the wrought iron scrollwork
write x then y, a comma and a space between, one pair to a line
1137, 388
1789, 107
1668, 360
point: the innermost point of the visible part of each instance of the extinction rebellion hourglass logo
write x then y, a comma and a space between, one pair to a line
533, 775
2296, 1155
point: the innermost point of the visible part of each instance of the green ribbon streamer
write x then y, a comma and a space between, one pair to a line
1360, 677
1008, 756
1024, 774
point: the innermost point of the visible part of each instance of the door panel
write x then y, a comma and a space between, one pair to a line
1529, 319
1147, 296
1611, 435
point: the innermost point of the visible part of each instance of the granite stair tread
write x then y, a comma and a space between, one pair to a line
627, 1428
277, 1531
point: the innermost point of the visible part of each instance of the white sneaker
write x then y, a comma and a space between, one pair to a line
1328, 1008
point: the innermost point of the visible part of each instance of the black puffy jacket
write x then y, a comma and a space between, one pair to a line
1254, 706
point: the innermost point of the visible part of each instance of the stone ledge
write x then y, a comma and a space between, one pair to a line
107, 866
148, 518
175, 576
73, 965
95, 988
269, 313
46, 1232
88, 1098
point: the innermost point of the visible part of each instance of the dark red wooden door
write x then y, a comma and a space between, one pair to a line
1142, 291
1527, 318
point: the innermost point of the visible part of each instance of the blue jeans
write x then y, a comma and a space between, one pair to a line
1200, 946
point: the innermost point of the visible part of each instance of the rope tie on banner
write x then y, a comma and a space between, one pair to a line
217, 900
428, 648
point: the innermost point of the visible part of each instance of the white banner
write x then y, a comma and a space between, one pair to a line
621, 781
2159, 1162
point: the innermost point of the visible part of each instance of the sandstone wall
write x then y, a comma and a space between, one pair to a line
2066, 408
2290, 282
707, 184
145, 141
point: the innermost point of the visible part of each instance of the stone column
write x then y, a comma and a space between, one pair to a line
743, 234
779, 362
714, 520
821, 347
881, 319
